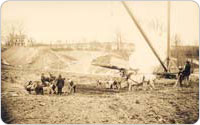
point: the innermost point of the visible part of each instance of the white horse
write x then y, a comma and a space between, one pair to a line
132, 78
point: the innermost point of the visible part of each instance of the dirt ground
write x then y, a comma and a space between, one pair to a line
164, 104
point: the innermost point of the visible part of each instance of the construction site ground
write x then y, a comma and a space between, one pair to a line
90, 104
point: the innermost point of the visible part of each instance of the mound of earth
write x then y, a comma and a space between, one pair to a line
35, 58
47, 59
81, 60
108, 60
19, 55
68, 61
111, 60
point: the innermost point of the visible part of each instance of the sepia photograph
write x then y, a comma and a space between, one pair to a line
100, 62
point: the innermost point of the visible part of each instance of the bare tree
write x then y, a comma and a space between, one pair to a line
119, 40
157, 26
10, 30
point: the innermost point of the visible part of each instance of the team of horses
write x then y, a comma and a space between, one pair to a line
48, 84
131, 79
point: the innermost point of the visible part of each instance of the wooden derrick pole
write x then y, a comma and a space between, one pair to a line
144, 35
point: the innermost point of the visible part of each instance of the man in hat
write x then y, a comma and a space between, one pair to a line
183, 74
60, 84
186, 72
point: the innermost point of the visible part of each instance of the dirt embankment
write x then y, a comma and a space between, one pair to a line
68, 61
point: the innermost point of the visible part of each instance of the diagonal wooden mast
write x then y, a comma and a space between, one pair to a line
143, 34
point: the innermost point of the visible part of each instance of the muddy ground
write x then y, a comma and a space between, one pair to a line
164, 104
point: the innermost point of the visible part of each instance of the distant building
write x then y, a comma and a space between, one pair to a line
16, 40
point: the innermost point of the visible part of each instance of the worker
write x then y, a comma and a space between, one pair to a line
60, 84
183, 74
72, 86
179, 78
51, 77
186, 72
43, 80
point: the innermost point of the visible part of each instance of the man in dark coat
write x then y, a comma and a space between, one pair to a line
186, 72
187, 68
60, 84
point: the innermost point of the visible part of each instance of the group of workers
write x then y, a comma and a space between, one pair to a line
58, 83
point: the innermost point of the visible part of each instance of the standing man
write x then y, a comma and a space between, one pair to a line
60, 84
72, 87
186, 71
183, 74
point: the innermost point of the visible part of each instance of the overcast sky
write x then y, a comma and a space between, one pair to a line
67, 20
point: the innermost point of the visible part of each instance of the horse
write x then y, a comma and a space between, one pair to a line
134, 79
36, 86
112, 84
